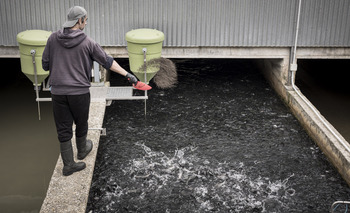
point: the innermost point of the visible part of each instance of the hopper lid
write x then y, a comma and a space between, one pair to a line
144, 36
33, 37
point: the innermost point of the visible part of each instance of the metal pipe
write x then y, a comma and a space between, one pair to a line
293, 64
296, 34
32, 52
43, 99
46, 87
102, 130
145, 70
96, 72
337, 203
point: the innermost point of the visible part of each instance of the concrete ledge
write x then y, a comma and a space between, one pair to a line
220, 52
323, 53
9, 52
70, 194
211, 52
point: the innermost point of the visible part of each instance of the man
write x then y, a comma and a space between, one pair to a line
69, 55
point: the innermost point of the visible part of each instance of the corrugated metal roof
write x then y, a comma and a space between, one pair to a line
233, 23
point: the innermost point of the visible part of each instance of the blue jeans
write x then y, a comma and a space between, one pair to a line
68, 109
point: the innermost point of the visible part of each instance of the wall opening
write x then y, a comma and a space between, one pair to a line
325, 83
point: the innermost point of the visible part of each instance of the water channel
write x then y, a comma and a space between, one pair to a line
221, 141
325, 84
29, 148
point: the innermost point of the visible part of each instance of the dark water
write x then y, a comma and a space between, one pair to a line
28, 147
326, 84
221, 141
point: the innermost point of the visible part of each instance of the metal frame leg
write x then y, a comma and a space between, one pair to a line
32, 52
144, 50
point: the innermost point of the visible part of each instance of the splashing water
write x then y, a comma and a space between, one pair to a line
221, 141
209, 185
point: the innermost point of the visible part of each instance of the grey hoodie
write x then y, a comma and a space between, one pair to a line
69, 55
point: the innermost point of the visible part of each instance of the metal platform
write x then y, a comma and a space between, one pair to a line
123, 93
110, 94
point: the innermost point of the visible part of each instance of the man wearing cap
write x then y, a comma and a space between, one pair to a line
69, 55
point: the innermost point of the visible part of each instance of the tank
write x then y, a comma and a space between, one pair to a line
137, 40
33, 40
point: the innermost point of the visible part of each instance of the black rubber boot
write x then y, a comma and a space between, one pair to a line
84, 147
70, 166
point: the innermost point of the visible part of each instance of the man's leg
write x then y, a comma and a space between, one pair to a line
80, 105
64, 121
63, 117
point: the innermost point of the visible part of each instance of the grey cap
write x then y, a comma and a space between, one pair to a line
74, 14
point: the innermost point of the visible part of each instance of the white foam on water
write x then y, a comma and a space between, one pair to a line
213, 185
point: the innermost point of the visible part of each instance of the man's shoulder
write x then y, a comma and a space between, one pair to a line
53, 34
56, 32
90, 40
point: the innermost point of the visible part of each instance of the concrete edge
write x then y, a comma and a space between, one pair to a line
219, 52
70, 194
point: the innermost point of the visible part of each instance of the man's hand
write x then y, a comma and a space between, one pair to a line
131, 78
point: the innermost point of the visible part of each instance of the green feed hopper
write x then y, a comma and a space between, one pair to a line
139, 40
33, 40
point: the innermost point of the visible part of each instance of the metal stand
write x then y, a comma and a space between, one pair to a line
38, 99
109, 94
124, 92
337, 203
144, 50
46, 87
32, 52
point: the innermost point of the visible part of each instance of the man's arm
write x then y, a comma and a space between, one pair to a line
118, 69
100, 56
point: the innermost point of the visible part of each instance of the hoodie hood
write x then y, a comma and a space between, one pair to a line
70, 38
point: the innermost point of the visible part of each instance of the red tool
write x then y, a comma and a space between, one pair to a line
141, 86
